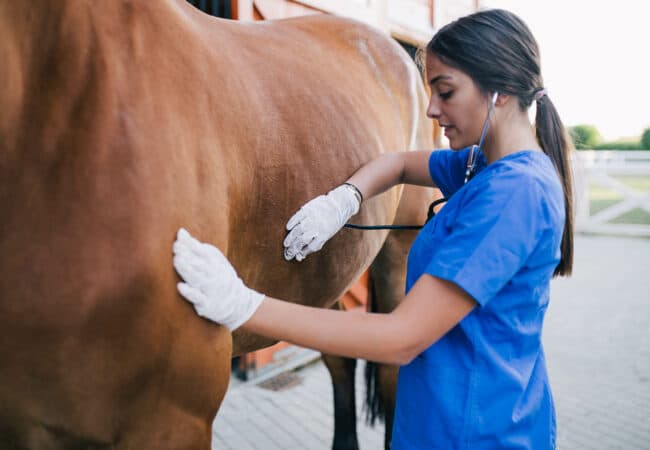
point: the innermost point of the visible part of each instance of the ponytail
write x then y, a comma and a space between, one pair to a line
554, 140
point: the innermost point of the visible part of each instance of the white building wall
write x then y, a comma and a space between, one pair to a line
446, 11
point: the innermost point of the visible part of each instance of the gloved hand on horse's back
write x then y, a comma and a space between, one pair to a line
320, 219
211, 284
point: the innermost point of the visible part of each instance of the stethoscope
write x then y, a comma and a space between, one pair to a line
469, 173
471, 158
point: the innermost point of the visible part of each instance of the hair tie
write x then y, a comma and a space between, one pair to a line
539, 94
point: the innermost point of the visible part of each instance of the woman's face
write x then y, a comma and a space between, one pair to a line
456, 103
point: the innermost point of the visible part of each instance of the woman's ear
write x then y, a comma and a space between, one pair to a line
500, 99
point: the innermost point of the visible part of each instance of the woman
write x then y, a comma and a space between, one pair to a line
468, 333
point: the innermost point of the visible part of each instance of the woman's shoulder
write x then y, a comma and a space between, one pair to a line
527, 181
524, 169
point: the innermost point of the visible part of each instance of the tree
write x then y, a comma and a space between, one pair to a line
645, 139
585, 136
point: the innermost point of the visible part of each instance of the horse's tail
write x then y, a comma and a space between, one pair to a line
374, 405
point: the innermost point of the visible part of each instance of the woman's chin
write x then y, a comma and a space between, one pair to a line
456, 145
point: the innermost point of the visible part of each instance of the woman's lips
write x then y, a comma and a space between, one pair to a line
448, 128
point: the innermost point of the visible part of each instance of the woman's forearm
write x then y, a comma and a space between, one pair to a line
378, 175
355, 335
387, 170
432, 307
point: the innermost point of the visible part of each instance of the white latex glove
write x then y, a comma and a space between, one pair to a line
211, 283
318, 220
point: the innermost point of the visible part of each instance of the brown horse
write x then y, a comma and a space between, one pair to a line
121, 121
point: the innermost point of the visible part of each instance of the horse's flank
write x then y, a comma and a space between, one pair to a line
120, 122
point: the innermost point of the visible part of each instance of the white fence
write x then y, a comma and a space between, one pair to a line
604, 170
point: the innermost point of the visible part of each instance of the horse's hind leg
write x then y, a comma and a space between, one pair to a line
345, 425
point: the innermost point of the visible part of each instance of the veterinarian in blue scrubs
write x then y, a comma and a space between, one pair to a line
469, 331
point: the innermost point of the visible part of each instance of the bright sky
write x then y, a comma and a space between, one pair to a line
595, 59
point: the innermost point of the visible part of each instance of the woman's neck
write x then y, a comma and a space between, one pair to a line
509, 132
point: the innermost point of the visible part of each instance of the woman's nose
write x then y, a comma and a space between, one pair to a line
433, 111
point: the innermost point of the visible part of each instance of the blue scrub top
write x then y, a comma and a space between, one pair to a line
484, 384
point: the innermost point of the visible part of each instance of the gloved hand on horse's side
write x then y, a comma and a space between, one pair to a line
211, 283
320, 219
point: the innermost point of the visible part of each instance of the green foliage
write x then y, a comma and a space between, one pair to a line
645, 139
618, 145
585, 136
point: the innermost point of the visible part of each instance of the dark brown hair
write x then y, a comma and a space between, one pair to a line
498, 51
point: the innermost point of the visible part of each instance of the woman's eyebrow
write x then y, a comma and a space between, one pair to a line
434, 80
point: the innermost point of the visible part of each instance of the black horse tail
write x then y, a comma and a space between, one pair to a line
374, 405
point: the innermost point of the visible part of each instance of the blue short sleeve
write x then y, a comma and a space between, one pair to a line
447, 169
492, 235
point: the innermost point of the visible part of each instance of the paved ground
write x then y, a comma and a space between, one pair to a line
597, 339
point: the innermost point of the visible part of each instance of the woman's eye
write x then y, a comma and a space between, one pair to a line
446, 95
